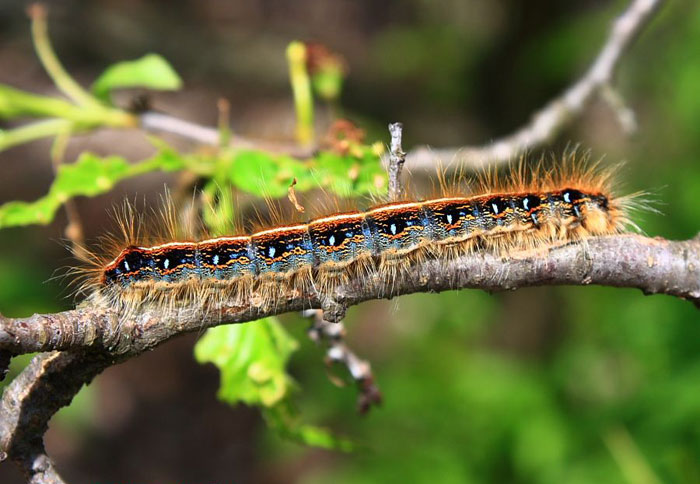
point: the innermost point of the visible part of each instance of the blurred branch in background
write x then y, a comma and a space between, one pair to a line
543, 127
165, 123
560, 112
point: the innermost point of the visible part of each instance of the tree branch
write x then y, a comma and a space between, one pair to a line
165, 123
654, 265
48, 383
561, 111
92, 338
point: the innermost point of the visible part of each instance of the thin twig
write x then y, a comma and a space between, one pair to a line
224, 108
333, 336
48, 58
624, 114
74, 230
396, 160
160, 122
558, 113
332, 333
49, 382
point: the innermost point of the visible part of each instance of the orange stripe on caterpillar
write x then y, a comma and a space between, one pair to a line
557, 206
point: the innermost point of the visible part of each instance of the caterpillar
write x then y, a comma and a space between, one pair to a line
523, 211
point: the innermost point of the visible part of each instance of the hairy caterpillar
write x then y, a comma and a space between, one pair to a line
520, 212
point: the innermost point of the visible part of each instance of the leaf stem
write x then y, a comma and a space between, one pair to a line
47, 56
301, 88
33, 131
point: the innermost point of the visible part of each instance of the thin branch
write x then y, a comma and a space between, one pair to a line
164, 123
558, 113
49, 382
396, 160
224, 124
333, 336
48, 58
624, 114
327, 326
32, 131
74, 231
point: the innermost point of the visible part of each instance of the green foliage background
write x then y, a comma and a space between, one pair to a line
545, 385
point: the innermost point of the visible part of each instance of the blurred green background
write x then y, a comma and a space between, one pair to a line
544, 385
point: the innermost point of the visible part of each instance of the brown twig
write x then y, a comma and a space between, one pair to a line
561, 111
74, 230
330, 330
48, 383
333, 336
396, 160
164, 123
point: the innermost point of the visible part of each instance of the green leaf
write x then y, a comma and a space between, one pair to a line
351, 175
90, 175
265, 174
251, 358
150, 71
285, 419
328, 84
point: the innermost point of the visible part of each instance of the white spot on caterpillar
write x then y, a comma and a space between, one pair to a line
331, 240
566, 197
495, 208
449, 218
126, 266
526, 204
271, 252
393, 229
166, 263
215, 260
